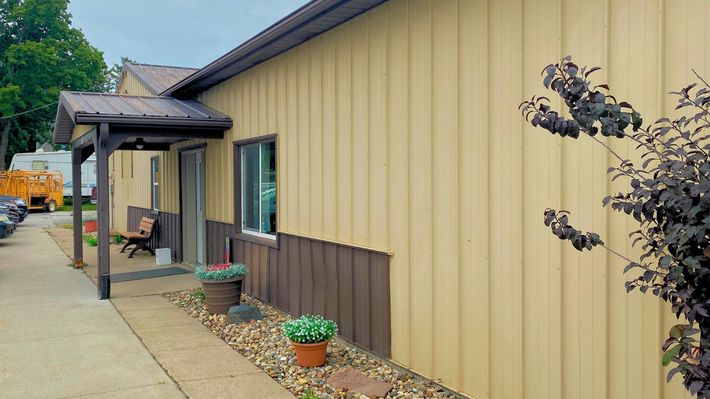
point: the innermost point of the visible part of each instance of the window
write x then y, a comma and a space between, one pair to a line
155, 183
258, 184
40, 165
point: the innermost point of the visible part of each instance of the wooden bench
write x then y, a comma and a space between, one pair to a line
141, 238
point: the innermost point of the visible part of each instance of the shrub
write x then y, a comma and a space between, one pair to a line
117, 239
221, 271
91, 241
669, 198
309, 329
197, 295
309, 394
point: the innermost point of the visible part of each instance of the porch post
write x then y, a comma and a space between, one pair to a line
76, 206
102, 153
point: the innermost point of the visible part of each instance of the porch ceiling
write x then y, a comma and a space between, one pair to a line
156, 119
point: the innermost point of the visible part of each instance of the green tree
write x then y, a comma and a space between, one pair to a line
114, 74
40, 55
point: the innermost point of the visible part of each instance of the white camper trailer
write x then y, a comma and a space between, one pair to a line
60, 161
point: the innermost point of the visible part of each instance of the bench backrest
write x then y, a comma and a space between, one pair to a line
146, 226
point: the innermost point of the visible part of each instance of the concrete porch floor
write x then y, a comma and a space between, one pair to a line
120, 263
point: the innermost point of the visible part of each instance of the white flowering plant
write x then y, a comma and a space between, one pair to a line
310, 329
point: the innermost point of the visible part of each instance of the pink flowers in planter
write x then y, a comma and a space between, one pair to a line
218, 266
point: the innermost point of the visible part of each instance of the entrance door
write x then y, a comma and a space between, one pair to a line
192, 191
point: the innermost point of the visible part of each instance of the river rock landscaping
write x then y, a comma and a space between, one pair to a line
263, 343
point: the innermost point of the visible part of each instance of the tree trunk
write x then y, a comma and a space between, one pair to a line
4, 139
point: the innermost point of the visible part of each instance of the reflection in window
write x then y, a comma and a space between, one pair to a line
258, 164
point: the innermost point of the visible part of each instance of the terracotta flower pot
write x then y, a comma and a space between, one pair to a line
310, 355
222, 295
90, 226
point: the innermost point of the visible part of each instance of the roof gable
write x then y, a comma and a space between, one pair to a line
157, 78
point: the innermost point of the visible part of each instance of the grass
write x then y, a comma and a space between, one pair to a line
84, 207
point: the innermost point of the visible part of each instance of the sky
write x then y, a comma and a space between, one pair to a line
190, 33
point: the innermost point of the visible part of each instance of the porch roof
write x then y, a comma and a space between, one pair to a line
132, 112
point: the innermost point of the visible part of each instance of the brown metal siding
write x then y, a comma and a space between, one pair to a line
216, 231
303, 276
167, 234
308, 276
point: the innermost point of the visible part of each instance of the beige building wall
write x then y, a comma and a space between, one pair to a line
399, 131
129, 171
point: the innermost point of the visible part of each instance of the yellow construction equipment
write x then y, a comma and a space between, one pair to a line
41, 189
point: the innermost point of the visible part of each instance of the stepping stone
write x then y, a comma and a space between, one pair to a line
354, 380
243, 314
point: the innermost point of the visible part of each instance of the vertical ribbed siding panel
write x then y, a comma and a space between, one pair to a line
420, 188
506, 205
445, 154
542, 286
399, 176
474, 176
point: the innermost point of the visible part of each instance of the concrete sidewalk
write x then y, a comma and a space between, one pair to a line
56, 339
202, 364
50, 317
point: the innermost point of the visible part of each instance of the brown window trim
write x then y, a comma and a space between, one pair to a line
269, 242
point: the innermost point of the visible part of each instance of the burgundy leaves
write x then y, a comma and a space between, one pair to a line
668, 196
591, 110
558, 223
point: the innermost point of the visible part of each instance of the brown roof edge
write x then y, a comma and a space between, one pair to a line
161, 65
309, 20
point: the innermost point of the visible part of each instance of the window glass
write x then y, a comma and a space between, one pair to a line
250, 187
40, 165
155, 180
268, 187
259, 188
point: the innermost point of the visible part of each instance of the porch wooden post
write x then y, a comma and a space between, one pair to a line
104, 269
76, 206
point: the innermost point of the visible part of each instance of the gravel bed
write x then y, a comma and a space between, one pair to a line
264, 345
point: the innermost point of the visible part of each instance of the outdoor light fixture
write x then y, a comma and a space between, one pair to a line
140, 143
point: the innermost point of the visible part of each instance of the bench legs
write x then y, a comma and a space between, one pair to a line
139, 244
126, 246
145, 248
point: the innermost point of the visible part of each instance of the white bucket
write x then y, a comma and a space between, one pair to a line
162, 256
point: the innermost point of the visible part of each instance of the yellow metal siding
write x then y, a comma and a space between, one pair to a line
399, 131
129, 171
129, 84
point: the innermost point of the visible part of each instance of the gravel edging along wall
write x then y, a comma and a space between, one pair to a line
264, 345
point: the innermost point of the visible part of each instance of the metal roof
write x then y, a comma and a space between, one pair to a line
311, 20
157, 78
76, 108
